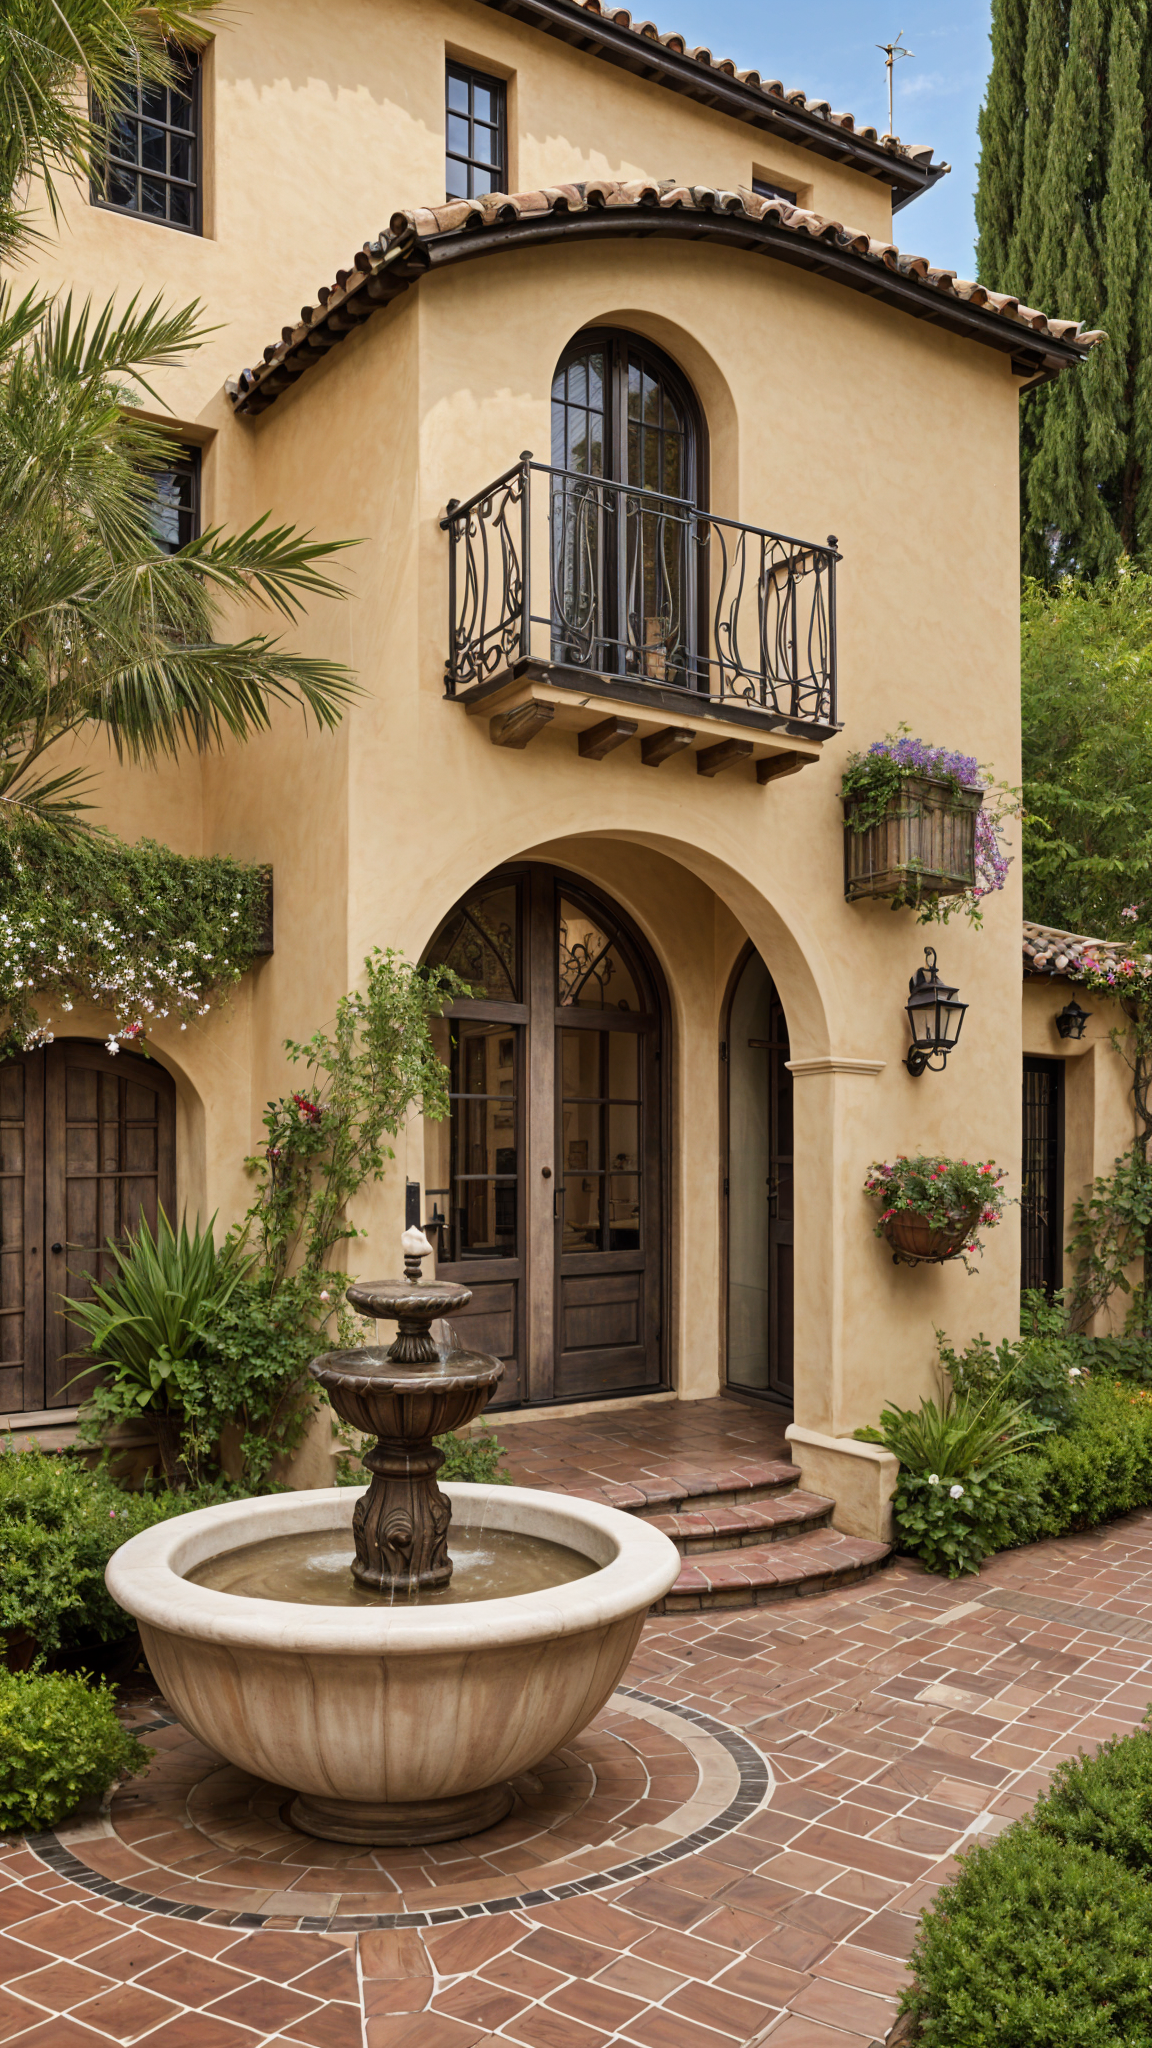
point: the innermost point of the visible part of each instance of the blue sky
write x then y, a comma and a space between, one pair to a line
826, 47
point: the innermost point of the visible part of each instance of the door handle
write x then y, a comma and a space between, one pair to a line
557, 1198
57, 1247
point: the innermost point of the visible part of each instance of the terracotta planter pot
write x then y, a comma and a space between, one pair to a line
914, 1237
924, 845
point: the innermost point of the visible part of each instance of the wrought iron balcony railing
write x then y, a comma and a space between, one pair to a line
643, 591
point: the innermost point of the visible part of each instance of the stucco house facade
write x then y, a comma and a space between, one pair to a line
609, 686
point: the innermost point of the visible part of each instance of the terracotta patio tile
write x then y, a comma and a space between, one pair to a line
333, 1978
483, 2005
192, 1979
66, 1931
395, 1994
797, 2032
125, 2012
420, 2030
333, 2026
713, 2006
596, 2004
844, 2005
563, 1952
61, 1985
69, 2033
519, 1973
660, 2028
763, 1981
15, 2016
398, 1952
682, 1953
279, 1956
891, 1934
865, 1968
539, 2026
592, 1919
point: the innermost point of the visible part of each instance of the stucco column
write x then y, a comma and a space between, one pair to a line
831, 1113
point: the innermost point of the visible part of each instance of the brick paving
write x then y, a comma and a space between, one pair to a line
901, 1718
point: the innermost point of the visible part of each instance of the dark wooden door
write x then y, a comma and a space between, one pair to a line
545, 1184
1042, 1192
88, 1143
759, 1188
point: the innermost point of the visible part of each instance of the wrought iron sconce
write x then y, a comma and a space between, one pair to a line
1071, 1020
934, 1017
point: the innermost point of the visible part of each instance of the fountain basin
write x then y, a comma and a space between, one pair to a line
398, 1723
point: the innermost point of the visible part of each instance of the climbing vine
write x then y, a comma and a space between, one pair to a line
140, 931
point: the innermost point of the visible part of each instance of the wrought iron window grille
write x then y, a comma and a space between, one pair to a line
640, 588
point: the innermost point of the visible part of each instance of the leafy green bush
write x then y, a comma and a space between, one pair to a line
59, 1525
1102, 1466
953, 1527
1038, 1943
148, 1326
473, 1458
1039, 1369
1104, 1801
956, 1437
60, 1742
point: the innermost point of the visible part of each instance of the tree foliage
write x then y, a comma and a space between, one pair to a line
1064, 212
1087, 752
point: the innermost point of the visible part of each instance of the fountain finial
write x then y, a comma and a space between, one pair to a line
416, 1249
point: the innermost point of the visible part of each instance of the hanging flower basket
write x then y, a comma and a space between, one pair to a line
920, 1239
931, 1208
921, 845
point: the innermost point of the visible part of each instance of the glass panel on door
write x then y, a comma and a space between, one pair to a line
471, 1166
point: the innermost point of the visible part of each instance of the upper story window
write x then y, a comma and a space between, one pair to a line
765, 190
152, 149
475, 133
176, 509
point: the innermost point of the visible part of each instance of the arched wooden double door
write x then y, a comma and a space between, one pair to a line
87, 1147
545, 1184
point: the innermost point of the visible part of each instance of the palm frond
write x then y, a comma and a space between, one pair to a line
196, 696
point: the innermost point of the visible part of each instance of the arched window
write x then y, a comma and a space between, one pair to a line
628, 449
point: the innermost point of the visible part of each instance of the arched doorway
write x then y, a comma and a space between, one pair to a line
759, 1186
545, 1185
626, 574
87, 1147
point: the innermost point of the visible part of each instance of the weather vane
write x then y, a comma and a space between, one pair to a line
892, 51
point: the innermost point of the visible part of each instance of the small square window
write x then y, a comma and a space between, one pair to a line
764, 190
476, 149
152, 149
176, 502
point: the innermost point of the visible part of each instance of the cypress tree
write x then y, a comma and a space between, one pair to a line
1064, 210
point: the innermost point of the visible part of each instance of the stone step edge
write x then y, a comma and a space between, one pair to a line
682, 1495
813, 1564
781, 1518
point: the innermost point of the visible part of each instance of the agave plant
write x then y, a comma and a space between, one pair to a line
149, 1323
958, 1436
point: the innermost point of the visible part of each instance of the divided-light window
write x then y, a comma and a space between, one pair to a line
176, 505
475, 133
152, 149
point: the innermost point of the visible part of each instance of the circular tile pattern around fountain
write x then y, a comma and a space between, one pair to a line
649, 1781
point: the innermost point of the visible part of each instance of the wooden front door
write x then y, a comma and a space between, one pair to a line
87, 1147
545, 1185
1042, 1175
758, 1188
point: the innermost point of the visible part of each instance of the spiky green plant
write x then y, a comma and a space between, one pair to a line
958, 1435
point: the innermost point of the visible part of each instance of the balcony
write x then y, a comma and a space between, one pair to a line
574, 600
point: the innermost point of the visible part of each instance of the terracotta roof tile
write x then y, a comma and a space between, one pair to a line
620, 27
1049, 951
424, 237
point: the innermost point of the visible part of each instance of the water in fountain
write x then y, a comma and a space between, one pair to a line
313, 1568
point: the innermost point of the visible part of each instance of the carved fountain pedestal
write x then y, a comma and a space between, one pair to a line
405, 1397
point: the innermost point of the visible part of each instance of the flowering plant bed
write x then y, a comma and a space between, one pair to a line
931, 1208
917, 829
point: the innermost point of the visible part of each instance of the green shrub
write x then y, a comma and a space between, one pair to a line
473, 1458
60, 1742
952, 1526
59, 1525
1104, 1801
1039, 1369
957, 1437
1038, 1943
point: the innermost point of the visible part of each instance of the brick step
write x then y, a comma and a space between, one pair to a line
715, 1527
820, 1562
682, 1490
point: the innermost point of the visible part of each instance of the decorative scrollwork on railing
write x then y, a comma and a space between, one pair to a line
642, 587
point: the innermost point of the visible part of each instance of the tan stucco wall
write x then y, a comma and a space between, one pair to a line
827, 413
326, 116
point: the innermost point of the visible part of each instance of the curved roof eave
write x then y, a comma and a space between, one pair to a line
606, 209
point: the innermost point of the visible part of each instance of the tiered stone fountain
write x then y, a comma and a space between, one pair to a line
395, 1692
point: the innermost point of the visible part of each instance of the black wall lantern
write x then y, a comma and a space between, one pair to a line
934, 1016
1071, 1020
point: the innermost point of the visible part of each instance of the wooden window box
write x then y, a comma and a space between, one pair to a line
925, 845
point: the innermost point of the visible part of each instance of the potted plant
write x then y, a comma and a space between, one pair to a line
915, 828
931, 1208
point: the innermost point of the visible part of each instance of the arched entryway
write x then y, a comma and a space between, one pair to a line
87, 1147
545, 1186
759, 1186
